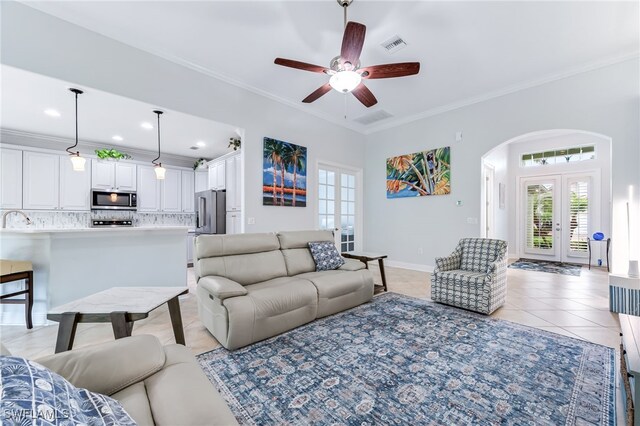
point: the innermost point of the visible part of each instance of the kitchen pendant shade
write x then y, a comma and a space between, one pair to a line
76, 161
160, 171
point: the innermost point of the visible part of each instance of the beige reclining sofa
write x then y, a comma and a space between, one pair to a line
156, 384
255, 286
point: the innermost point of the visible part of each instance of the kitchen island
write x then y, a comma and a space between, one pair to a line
72, 263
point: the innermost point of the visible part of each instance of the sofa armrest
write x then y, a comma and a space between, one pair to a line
352, 265
109, 367
221, 287
448, 263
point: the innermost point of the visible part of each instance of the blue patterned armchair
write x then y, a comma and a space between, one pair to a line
473, 277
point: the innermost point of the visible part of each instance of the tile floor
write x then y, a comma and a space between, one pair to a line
572, 306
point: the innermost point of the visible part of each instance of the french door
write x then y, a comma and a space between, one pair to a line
558, 216
338, 205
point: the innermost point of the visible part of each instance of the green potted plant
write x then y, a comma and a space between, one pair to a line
234, 143
199, 164
112, 154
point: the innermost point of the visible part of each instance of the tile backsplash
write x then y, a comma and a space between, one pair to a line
74, 220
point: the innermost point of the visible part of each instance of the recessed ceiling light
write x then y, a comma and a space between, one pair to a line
52, 113
201, 144
117, 138
146, 125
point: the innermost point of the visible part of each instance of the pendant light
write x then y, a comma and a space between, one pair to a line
160, 171
76, 161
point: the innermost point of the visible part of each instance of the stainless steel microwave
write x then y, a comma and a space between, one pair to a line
113, 200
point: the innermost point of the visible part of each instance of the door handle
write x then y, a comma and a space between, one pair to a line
201, 218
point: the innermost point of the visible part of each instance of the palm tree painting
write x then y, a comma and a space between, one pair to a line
419, 174
284, 174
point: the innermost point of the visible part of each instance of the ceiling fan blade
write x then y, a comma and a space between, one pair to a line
364, 95
402, 69
322, 90
300, 65
352, 42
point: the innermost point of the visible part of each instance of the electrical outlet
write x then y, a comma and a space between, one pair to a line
420, 250
251, 221
459, 203
472, 220
459, 136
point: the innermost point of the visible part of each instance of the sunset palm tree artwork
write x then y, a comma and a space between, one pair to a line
284, 174
419, 174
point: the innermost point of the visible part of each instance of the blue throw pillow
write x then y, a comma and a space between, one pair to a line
325, 255
32, 394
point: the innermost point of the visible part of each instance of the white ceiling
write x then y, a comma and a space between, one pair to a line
101, 115
468, 50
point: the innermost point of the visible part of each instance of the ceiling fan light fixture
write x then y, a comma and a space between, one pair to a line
345, 81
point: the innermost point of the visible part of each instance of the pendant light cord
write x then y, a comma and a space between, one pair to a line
158, 112
76, 92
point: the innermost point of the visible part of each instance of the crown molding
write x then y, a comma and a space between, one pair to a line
38, 140
365, 130
502, 92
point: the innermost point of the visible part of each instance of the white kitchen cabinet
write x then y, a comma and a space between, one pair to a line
10, 179
234, 223
188, 192
41, 181
233, 182
201, 180
75, 186
148, 189
103, 174
171, 191
217, 175
125, 176
113, 175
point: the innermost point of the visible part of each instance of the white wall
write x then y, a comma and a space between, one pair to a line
499, 160
603, 101
40, 43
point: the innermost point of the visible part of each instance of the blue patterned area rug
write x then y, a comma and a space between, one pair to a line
550, 267
399, 360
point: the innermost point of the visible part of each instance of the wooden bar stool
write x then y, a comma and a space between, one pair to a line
14, 270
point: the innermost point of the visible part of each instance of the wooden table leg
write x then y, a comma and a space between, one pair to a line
121, 327
67, 331
382, 275
176, 320
29, 300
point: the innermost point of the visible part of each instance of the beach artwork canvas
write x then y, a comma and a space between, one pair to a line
284, 174
419, 174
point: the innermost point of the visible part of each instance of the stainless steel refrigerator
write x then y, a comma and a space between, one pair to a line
210, 212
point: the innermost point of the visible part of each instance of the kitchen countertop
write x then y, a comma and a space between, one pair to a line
123, 229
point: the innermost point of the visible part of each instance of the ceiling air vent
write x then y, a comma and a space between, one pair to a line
194, 147
373, 117
394, 44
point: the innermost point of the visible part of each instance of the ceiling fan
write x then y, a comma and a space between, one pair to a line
346, 73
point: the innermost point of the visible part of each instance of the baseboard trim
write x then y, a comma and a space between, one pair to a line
411, 266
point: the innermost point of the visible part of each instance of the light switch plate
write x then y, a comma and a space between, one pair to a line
472, 220
251, 221
459, 136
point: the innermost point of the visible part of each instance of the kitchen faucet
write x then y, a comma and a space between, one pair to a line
4, 217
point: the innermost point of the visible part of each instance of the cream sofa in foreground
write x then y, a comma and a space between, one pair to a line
156, 384
255, 286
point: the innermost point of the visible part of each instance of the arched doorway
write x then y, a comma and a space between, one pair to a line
546, 192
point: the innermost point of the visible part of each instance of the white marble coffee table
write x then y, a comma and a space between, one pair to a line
121, 306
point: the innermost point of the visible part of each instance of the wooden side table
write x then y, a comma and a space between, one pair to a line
608, 241
366, 258
121, 306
